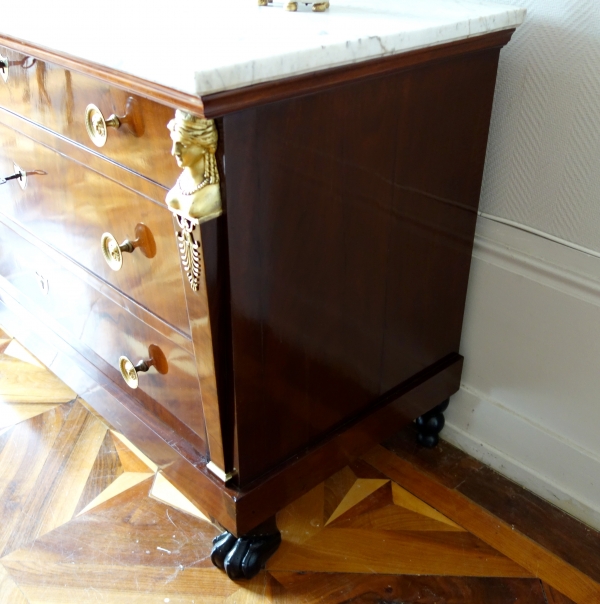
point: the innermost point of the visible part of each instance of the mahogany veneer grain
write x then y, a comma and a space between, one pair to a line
94, 321
349, 247
56, 98
335, 279
71, 207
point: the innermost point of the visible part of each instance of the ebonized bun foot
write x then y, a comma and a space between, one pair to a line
430, 425
243, 557
222, 545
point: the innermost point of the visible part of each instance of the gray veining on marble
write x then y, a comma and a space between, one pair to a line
202, 47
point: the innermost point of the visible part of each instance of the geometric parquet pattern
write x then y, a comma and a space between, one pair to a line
87, 518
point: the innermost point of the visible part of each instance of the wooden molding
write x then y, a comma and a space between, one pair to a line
150, 90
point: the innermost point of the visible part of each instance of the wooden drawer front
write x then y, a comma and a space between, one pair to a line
71, 207
104, 327
57, 99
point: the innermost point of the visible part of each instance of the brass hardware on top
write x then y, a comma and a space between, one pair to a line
113, 251
97, 126
129, 371
317, 7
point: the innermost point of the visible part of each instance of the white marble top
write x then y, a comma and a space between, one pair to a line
206, 46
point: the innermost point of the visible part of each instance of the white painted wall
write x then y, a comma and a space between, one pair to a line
529, 404
529, 401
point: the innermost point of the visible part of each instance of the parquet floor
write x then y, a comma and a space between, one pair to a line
87, 518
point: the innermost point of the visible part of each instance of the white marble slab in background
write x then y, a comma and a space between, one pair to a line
202, 46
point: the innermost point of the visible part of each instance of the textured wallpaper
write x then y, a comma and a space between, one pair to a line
543, 158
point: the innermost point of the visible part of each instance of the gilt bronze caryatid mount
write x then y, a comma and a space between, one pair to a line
196, 196
196, 193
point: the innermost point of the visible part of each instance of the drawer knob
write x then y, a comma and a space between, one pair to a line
97, 127
130, 372
113, 251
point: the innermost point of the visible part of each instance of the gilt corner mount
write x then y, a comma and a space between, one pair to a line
196, 193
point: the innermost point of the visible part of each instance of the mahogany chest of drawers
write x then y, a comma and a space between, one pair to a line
320, 312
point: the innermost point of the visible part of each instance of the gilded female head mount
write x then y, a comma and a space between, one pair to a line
196, 193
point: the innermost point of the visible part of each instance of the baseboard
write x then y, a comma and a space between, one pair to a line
540, 461
529, 404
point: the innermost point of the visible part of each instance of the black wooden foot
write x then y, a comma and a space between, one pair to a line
250, 554
222, 545
243, 557
430, 425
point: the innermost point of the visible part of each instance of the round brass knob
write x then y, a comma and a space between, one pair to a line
129, 371
113, 251
97, 127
